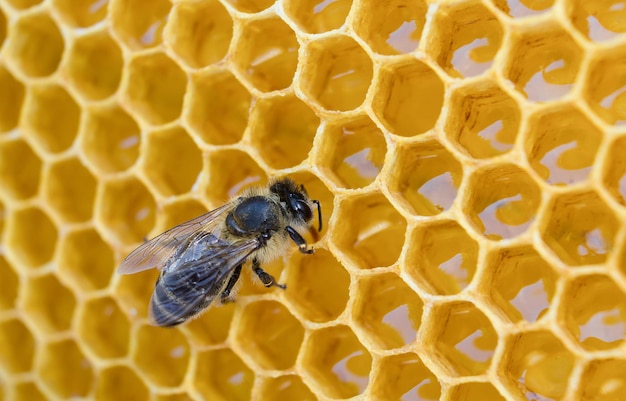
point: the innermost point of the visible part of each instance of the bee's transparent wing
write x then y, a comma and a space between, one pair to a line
157, 251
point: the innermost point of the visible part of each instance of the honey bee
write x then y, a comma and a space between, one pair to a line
201, 259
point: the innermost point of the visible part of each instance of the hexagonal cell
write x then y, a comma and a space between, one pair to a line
580, 228
212, 326
408, 98
110, 138
126, 208
614, 174
95, 49
80, 14
520, 282
313, 16
30, 237
392, 27
27, 391
605, 85
593, 310
503, 201
337, 362
603, 380
86, 259
161, 355
289, 387
199, 32
267, 54
20, 169
599, 20
376, 234
48, 303
352, 153
119, 383
40, 119
284, 130
16, 358
251, 6
139, 23
475, 391
424, 177
155, 88
34, 44
387, 311
436, 266
221, 375
467, 340
11, 101
104, 328
320, 286
523, 8
10, 285
483, 119
543, 63
404, 376
269, 334
64, 369
537, 365
336, 73
561, 145
70, 189
171, 161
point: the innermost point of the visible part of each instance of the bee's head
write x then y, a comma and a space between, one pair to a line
296, 200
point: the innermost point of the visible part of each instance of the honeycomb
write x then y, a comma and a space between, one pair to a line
466, 154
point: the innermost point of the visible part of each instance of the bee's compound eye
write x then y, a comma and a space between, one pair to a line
301, 208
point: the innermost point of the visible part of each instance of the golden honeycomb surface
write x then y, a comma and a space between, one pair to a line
469, 155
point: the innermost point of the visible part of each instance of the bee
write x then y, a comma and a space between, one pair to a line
202, 259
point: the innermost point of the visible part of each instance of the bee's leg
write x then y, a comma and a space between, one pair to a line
225, 297
266, 278
297, 238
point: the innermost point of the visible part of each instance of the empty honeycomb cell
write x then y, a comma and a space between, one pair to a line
119, 382
34, 45
387, 311
392, 27
284, 130
17, 347
524, 8
199, 32
64, 369
580, 228
521, 283
251, 6
212, 326
288, 387
110, 139
405, 377
352, 153
561, 145
503, 201
48, 303
219, 107
12, 97
483, 119
337, 362
315, 16
336, 73
543, 63
20, 169
87, 51
27, 391
318, 286
598, 20
70, 189
408, 97
604, 380
537, 365
81, 14
605, 85
51, 117
10, 285
376, 234
267, 54
104, 328
466, 39
466, 343
162, 355
155, 88
436, 266
270, 334
615, 170
126, 209
171, 161
30, 237
593, 310
424, 177
222, 376
139, 23
85, 259
475, 391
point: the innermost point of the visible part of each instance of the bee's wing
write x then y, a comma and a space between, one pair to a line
157, 251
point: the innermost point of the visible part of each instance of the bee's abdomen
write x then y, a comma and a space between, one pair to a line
170, 307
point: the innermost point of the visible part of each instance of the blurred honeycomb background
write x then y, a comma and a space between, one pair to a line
470, 157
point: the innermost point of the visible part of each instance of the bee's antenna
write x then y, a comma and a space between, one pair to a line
319, 214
